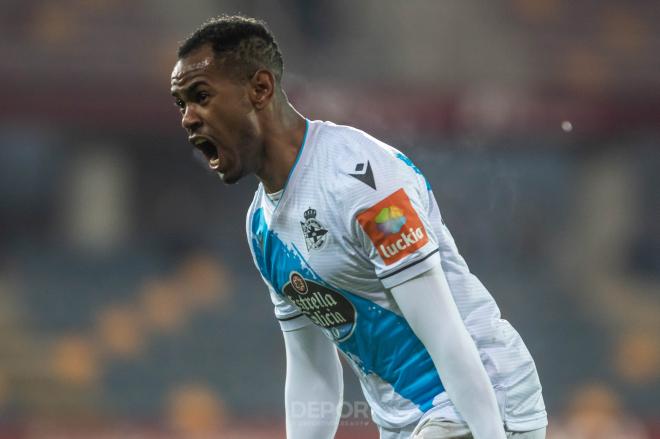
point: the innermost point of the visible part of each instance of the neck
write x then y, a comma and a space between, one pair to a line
283, 139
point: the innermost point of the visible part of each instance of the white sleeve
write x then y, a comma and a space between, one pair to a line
313, 392
391, 223
428, 306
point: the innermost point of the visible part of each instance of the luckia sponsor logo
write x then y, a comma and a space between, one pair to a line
390, 220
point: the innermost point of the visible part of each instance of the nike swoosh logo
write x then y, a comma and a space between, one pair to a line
366, 177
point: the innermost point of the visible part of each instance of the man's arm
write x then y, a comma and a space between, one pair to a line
428, 306
314, 386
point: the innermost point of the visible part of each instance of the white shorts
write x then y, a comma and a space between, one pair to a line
431, 428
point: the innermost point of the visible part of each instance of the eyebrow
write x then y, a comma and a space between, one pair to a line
191, 87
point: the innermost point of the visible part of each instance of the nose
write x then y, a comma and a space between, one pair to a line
190, 120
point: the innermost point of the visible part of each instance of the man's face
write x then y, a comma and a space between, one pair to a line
217, 115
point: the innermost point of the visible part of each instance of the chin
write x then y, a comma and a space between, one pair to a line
228, 178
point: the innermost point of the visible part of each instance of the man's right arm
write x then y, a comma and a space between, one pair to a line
314, 385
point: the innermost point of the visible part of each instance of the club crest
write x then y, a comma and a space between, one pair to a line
315, 234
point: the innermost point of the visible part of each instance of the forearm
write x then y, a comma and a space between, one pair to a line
429, 308
314, 387
468, 385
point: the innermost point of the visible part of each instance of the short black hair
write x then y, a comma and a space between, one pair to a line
242, 44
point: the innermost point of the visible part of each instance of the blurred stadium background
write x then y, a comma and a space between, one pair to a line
129, 305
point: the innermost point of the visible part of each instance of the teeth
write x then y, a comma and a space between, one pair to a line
214, 163
199, 141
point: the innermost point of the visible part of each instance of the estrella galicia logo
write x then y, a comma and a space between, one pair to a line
315, 234
325, 307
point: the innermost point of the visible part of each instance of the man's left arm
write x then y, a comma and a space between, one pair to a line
428, 306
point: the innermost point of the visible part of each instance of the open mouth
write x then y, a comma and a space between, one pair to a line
210, 152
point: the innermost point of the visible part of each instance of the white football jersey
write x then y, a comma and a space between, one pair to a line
355, 219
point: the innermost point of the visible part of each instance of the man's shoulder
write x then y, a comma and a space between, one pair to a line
352, 156
350, 140
355, 170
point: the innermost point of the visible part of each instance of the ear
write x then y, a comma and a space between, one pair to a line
262, 88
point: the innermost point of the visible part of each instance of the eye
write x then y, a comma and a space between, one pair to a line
201, 97
180, 104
